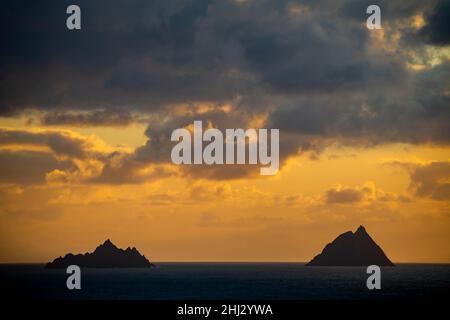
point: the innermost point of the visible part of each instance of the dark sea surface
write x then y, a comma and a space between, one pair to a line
248, 281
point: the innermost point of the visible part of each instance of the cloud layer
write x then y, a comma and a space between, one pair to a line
309, 68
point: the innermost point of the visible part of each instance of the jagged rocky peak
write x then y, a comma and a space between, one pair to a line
106, 255
352, 249
107, 245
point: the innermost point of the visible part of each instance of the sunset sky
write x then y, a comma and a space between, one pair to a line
86, 118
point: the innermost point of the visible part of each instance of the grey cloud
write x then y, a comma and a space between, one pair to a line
29, 167
105, 117
431, 180
437, 28
428, 180
129, 54
421, 114
59, 142
146, 54
157, 150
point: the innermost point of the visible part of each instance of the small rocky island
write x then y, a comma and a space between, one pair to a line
106, 255
352, 249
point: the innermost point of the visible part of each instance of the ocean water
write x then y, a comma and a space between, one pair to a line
248, 281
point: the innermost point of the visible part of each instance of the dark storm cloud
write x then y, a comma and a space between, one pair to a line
128, 53
28, 167
437, 28
429, 180
144, 54
159, 146
416, 113
107, 117
157, 150
432, 180
70, 155
61, 143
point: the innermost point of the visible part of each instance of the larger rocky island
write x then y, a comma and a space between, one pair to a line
352, 249
106, 255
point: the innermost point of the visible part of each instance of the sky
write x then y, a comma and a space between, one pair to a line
86, 118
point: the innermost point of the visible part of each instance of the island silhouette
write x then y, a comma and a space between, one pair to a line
106, 255
352, 249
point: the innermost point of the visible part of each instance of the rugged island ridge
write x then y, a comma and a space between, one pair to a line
351, 249
106, 255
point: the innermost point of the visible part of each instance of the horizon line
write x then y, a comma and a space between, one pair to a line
231, 261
